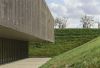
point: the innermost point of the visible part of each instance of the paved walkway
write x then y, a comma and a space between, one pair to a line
26, 63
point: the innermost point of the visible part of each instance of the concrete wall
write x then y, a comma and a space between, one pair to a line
29, 18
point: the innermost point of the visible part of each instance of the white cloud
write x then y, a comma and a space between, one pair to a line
75, 8
58, 9
72, 3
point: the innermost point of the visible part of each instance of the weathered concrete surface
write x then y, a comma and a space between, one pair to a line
31, 17
26, 63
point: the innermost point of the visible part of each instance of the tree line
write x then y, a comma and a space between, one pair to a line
87, 22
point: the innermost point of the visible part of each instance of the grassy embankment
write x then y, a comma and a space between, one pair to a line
65, 40
85, 56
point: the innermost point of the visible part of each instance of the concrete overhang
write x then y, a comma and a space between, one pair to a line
14, 34
26, 20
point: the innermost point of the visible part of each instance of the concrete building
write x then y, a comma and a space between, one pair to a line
20, 22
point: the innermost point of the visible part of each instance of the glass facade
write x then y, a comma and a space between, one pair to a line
11, 50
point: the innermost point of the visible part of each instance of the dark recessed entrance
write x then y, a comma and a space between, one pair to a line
12, 50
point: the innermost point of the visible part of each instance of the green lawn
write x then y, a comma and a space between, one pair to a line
85, 56
65, 40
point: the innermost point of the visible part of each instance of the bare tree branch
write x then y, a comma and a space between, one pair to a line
61, 22
87, 21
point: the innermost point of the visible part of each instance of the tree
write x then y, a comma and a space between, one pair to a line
87, 21
58, 22
61, 22
98, 24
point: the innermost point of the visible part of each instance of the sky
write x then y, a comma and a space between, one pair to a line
74, 10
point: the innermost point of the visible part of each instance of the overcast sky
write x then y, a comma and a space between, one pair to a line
74, 9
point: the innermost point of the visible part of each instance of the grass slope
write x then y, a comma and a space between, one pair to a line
65, 40
85, 56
